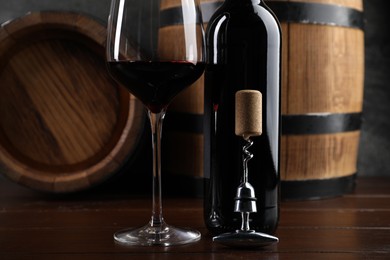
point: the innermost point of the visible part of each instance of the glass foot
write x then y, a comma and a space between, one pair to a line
157, 236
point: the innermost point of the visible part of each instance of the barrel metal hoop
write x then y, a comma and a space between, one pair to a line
317, 188
290, 12
315, 13
321, 123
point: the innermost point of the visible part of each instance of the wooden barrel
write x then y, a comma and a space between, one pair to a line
65, 125
322, 95
182, 142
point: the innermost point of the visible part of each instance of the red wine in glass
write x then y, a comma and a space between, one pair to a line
156, 83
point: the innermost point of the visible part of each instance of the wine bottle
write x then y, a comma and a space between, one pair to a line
243, 52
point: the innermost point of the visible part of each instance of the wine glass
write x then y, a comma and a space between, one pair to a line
155, 48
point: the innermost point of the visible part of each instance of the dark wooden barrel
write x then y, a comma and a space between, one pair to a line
65, 125
322, 95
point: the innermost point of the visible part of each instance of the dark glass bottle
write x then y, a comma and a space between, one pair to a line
243, 52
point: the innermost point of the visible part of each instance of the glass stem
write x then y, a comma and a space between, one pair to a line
156, 121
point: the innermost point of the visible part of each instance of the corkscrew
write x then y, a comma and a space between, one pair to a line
248, 124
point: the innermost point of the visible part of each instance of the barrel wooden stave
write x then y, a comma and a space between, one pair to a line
323, 69
319, 156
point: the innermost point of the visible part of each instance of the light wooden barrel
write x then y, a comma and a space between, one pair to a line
65, 125
183, 127
322, 95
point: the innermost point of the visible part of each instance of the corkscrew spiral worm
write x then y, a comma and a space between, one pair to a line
246, 157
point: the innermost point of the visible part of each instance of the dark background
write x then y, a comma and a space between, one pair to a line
374, 155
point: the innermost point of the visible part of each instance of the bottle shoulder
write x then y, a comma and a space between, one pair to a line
242, 14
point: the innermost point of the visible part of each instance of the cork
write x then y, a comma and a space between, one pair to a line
248, 113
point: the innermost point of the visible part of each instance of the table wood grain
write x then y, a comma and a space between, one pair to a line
38, 226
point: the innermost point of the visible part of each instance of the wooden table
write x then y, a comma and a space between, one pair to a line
37, 226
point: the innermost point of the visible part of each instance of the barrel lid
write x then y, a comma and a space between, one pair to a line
65, 125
